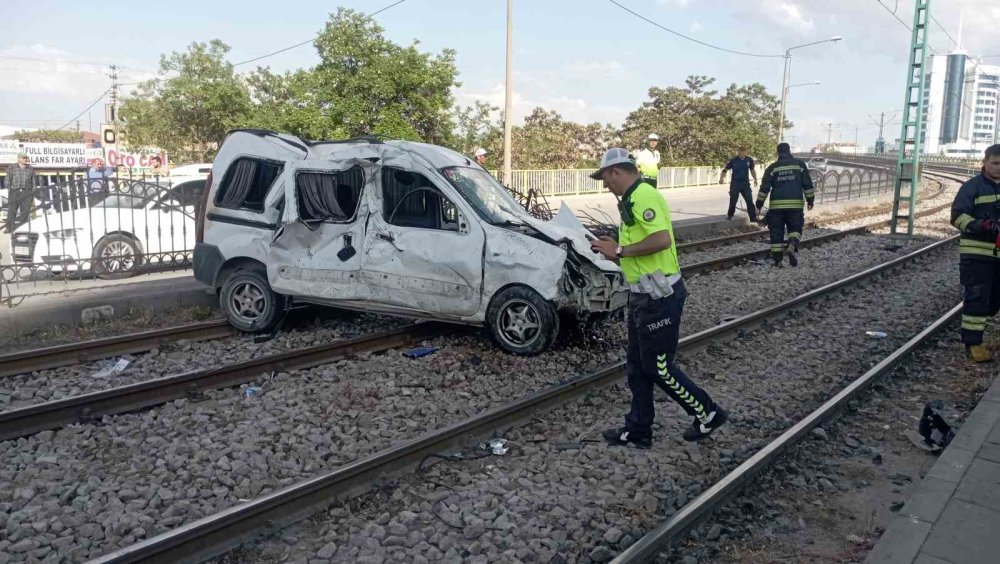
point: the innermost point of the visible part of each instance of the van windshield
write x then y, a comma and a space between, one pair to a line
490, 199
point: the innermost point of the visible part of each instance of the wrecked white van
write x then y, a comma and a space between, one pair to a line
394, 227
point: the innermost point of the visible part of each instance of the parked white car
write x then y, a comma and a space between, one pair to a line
137, 225
390, 226
818, 164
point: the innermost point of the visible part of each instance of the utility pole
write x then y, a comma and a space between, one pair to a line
78, 126
881, 123
114, 100
508, 95
829, 133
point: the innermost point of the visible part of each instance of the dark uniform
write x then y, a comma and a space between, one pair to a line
739, 185
788, 182
654, 325
976, 213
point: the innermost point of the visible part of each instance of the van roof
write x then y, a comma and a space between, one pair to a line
437, 156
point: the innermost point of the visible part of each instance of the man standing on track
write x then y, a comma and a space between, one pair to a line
743, 168
788, 182
648, 258
976, 213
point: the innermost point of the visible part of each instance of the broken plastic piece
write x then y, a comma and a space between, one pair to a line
252, 391
420, 351
937, 433
877, 334
499, 446
111, 369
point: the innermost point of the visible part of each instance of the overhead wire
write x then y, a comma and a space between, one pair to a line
699, 42
87, 109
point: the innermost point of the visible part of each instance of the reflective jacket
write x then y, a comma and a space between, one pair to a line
788, 182
977, 200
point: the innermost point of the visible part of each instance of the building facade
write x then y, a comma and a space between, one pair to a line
961, 101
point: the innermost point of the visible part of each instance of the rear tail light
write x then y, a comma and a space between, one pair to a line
199, 220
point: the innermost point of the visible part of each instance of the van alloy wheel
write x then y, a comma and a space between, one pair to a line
518, 323
248, 302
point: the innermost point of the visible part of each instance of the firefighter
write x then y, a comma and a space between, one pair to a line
787, 180
743, 168
648, 258
648, 160
976, 213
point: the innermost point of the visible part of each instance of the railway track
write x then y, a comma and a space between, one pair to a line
218, 533
87, 407
677, 527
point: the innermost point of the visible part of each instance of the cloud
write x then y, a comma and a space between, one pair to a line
696, 26
787, 14
675, 3
529, 94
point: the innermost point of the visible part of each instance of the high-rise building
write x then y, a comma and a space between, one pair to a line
961, 101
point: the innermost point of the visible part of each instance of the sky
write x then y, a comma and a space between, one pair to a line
587, 59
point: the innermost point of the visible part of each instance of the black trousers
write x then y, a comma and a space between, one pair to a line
18, 209
737, 189
778, 221
981, 279
653, 334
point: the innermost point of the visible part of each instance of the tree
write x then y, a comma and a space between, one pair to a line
697, 126
475, 127
364, 84
188, 114
48, 136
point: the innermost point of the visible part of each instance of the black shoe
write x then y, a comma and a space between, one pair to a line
729, 217
698, 430
777, 261
793, 257
622, 436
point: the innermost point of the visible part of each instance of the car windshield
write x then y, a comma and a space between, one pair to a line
122, 201
490, 199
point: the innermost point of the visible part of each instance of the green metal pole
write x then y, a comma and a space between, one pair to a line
908, 163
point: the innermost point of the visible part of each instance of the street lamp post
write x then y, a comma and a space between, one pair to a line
784, 80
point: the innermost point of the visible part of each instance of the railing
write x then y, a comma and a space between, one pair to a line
837, 186
577, 182
82, 228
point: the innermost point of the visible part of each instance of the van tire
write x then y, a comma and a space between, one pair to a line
249, 303
123, 260
521, 321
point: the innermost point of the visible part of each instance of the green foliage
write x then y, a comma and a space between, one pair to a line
188, 114
697, 126
48, 136
364, 84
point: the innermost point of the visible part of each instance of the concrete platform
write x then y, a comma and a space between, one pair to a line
75, 306
953, 516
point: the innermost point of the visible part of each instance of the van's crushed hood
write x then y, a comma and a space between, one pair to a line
565, 226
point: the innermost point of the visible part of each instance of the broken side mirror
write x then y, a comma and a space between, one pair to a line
463, 224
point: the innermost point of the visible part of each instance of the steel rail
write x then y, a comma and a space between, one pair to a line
647, 547
25, 421
87, 351
215, 534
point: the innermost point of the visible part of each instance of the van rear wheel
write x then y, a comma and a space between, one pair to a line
521, 321
249, 302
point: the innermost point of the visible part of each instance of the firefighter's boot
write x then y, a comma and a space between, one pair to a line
978, 353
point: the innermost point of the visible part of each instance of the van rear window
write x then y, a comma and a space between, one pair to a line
246, 183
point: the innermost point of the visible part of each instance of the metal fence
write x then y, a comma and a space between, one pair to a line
838, 186
576, 182
109, 227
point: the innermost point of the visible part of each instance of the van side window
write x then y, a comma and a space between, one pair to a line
329, 196
409, 199
246, 183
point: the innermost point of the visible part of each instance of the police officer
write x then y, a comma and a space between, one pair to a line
743, 168
788, 181
648, 159
975, 213
648, 258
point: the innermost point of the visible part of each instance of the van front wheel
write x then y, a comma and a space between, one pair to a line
521, 321
249, 302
